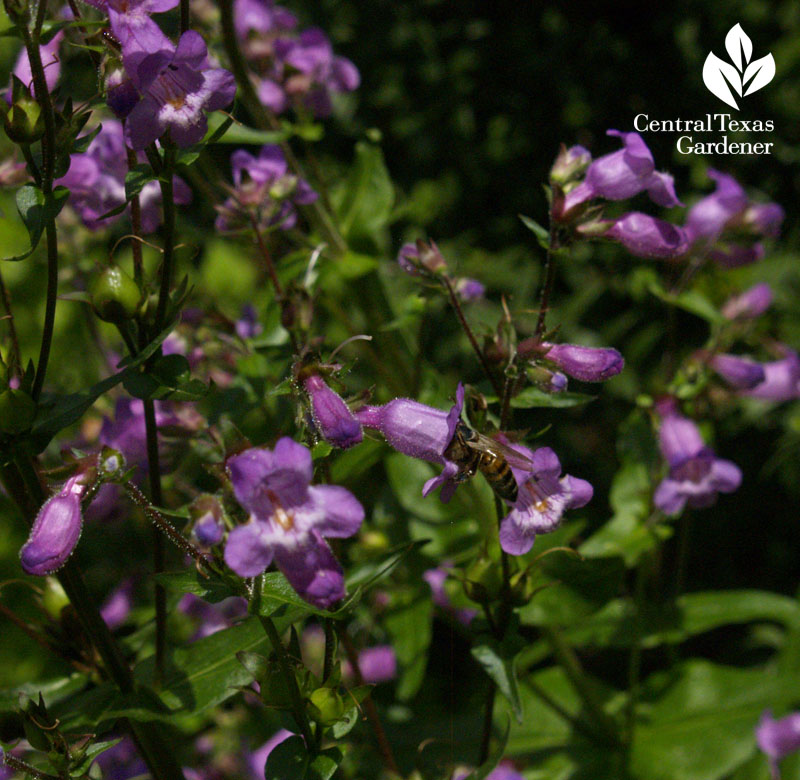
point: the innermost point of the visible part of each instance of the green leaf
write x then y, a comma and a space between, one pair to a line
167, 377
211, 588
290, 760
277, 592
35, 210
410, 629
501, 668
691, 300
237, 133
136, 178
90, 754
533, 398
364, 202
542, 236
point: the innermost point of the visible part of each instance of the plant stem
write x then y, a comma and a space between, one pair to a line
454, 302
372, 711
330, 643
488, 720
549, 278
635, 660
25, 769
136, 229
298, 704
184, 23
16, 355
168, 204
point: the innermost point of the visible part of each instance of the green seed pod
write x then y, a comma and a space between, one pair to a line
115, 296
54, 599
326, 706
17, 411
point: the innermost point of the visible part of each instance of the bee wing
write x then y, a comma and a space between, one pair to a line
515, 458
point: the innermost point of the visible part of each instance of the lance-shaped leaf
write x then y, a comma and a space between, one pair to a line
737, 42
717, 75
761, 71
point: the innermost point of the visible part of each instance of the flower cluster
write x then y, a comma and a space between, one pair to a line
297, 71
265, 192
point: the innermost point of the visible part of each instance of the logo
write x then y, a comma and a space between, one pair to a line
744, 76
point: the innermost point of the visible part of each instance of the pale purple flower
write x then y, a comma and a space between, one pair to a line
503, 771
178, 86
696, 474
589, 364
377, 664
50, 62
265, 190
646, 236
332, 417
419, 431
116, 608
781, 379
121, 762
408, 258
248, 326
421, 256
289, 519
543, 497
131, 23
750, 304
96, 181
469, 289
623, 174
261, 17
212, 618
56, 529
257, 759
738, 372
778, 738
207, 515
436, 579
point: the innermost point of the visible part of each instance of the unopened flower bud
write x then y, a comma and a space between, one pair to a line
521, 588
55, 531
750, 304
646, 236
115, 296
332, 418
589, 364
326, 706
570, 164
738, 372
24, 123
110, 463
54, 599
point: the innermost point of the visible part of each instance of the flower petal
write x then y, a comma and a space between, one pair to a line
249, 549
312, 570
340, 513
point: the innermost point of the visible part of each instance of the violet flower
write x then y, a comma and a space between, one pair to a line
414, 262
781, 379
96, 181
750, 304
257, 759
503, 771
646, 236
419, 431
436, 579
543, 497
212, 618
778, 738
289, 519
696, 474
116, 608
589, 364
377, 664
261, 16
469, 289
265, 191
248, 326
122, 761
623, 174
331, 415
178, 86
740, 373
50, 62
56, 529
208, 527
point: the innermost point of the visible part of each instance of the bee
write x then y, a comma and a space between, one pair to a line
471, 452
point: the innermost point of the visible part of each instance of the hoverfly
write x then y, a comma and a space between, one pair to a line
472, 451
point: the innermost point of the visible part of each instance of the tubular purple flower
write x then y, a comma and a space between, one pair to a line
248, 326
503, 771
589, 364
696, 474
178, 86
408, 259
781, 379
543, 497
646, 236
710, 215
623, 174
419, 431
288, 520
56, 530
469, 289
116, 608
332, 417
261, 16
750, 304
738, 372
778, 738
50, 62
377, 664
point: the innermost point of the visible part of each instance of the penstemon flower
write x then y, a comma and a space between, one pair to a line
781, 379
740, 373
778, 738
331, 415
289, 519
750, 304
646, 236
589, 364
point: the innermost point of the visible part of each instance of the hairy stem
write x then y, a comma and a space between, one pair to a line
16, 355
549, 279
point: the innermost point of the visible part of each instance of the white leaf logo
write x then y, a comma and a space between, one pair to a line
743, 77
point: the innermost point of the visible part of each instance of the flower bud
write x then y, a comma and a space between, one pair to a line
207, 515
570, 164
115, 296
646, 236
17, 411
55, 531
332, 417
738, 372
24, 124
54, 599
750, 304
326, 706
589, 364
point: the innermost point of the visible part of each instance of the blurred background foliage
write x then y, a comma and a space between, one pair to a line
470, 101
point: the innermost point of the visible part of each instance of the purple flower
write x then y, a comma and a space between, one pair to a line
96, 181
738, 372
623, 174
781, 379
570, 164
646, 236
306, 72
261, 16
419, 431
288, 520
543, 497
696, 474
122, 761
778, 738
207, 515
469, 289
212, 617
332, 417
248, 326
377, 664
257, 759
50, 62
56, 530
414, 258
265, 190
116, 608
750, 304
436, 578
177, 86
504, 771
589, 364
